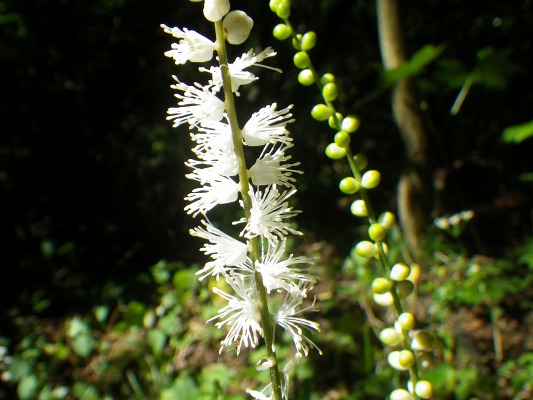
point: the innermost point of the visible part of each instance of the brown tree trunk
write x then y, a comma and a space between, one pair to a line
414, 187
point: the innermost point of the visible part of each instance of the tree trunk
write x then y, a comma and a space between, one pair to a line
414, 187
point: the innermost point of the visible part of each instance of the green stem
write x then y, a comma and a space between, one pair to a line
236, 133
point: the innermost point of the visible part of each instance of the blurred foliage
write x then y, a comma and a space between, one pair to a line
91, 184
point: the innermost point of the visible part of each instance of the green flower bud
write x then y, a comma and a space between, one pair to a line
384, 300
335, 152
365, 248
283, 10
282, 32
406, 320
422, 341
330, 92
296, 41
332, 121
400, 394
424, 389
370, 179
301, 60
376, 232
381, 285
400, 272
350, 123
358, 208
342, 139
349, 185
308, 40
425, 360
273, 4
406, 358
306, 77
327, 78
390, 337
394, 361
360, 161
321, 112
387, 220
404, 288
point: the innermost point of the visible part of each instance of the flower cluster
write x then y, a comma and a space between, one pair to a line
254, 264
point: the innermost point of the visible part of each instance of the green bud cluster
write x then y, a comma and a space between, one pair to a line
396, 281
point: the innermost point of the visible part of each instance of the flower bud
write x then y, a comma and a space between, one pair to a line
358, 208
381, 285
400, 272
237, 26
400, 394
214, 10
335, 152
406, 320
394, 360
384, 300
365, 249
424, 389
370, 179
390, 337
422, 341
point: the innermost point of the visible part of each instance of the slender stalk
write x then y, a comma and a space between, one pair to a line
266, 317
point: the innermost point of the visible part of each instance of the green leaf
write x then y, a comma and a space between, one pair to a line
183, 388
494, 68
83, 344
101, 313
518, 133
160, 272
415, 64
156, 341
27, 387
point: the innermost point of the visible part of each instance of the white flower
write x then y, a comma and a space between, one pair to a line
223, 249
282, 274
212, 135
267, 126
191, 47
237, 70
269, 211
220, 190
287, 317
217, 166
269, 170
241, 315
237, 26
198, 105
214, 10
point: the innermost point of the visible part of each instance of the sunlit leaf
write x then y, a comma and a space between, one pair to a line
518, 133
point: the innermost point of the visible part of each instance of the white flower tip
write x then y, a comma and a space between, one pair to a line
237, 26
214, 10
264, 364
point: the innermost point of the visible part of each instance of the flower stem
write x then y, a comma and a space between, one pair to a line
266, 317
